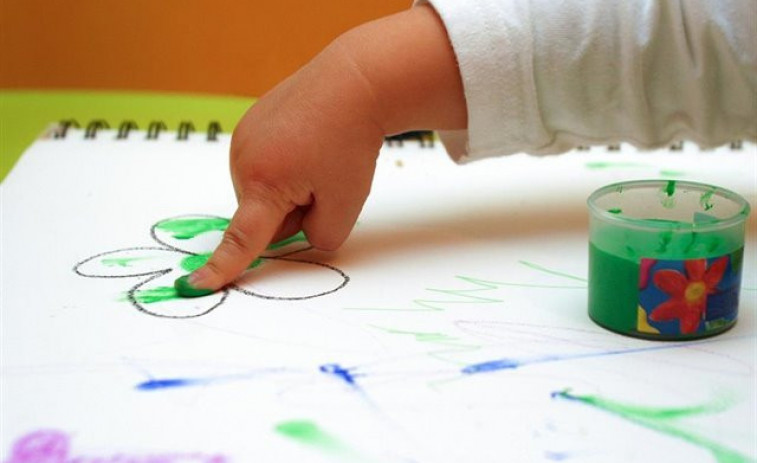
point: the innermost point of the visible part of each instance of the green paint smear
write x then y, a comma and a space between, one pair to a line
195, 261
121, 261
421, 336
597, 165
184, 229
309, 433
299, 237
706, 199
662, 420
670, 188
672, 173
158, 294
615, 211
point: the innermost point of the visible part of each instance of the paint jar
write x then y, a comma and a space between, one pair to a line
665, 258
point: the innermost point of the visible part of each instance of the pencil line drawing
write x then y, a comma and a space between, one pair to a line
185, 244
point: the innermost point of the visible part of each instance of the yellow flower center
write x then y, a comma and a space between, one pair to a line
695, 292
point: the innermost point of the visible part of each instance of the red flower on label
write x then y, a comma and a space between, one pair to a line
688, 293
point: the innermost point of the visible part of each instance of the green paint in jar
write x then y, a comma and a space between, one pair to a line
665, 258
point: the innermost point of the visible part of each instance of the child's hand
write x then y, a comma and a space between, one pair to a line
303, 157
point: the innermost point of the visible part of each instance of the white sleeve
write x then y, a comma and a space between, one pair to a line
542, 76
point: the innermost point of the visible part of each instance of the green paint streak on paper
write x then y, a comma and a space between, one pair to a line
121, 261
463, 296
195, 261
549, 271
420, 336
184, 229
663, 420
310, 434
158, 294
299, 237
597, 165
672, 173
460, 296
451, 345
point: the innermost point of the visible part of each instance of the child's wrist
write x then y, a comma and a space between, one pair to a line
408, 70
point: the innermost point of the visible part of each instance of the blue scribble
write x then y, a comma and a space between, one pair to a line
494, 365
511, 363
156, 384
343, 373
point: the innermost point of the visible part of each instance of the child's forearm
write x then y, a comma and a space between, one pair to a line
410, 67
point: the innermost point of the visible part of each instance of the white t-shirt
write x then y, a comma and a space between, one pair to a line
544, 76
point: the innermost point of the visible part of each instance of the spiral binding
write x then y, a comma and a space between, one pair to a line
425, 138
154, 129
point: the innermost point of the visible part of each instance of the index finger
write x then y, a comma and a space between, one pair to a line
251, 228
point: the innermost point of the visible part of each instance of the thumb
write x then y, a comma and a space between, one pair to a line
249, 232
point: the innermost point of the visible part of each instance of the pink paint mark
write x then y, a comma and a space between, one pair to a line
645, 266
52, 446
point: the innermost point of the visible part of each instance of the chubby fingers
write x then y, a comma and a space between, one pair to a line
251, 228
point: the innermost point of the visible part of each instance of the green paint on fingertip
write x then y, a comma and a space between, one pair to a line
183, 288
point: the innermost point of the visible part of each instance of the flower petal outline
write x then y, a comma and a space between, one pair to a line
140, 261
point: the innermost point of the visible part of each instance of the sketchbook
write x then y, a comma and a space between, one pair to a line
451, 327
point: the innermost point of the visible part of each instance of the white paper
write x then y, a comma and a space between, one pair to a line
366, 354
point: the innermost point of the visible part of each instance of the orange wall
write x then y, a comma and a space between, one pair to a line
235, 47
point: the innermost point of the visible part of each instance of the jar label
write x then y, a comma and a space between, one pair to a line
690, 297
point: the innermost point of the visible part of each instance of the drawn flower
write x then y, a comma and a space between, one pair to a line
185, 244
688, 293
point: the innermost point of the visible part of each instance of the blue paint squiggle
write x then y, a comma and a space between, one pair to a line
343, 373
170, 383
513, 363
